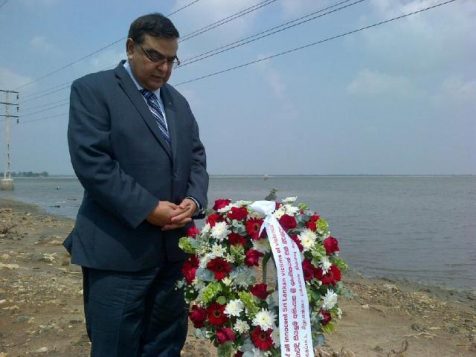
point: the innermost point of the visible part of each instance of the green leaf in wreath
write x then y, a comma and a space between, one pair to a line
185, 243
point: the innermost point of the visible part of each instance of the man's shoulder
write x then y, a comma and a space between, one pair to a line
100, 77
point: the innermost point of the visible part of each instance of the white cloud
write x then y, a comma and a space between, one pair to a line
277, 84
423, 42
11, 80
455, 89
43, 45
368, 82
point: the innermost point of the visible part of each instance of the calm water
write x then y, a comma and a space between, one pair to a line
421, 229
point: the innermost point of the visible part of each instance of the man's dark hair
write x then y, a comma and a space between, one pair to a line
154, 24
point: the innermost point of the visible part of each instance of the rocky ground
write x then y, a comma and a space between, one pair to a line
41, 303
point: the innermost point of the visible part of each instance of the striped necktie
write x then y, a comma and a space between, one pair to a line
159, 117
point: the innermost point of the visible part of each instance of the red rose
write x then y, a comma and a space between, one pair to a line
326, 317
225, 334
296, 239
252, 257
236, 239
221, 203
213, 219
220, 267
189, 268
262, 339
216, 314
253, 226
198, 316
312, 223
260, 291
309, 270
287, 222
331, 244
238, 213
192, 231
331, 277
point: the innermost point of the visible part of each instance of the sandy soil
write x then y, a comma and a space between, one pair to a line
41, 303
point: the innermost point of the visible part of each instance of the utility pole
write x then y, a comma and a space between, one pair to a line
7, 182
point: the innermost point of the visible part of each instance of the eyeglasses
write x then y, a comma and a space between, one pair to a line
159, 58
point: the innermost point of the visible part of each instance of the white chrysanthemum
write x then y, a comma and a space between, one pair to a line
205, 259
329, 301
234, 308
227, 281
308, 239
220, 230
206, 228
226, 208
218, 250
279, 212
264, 319
325, 264
261, 245
290, 199
241, 326
291, 210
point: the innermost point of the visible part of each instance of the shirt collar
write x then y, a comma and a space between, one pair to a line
128, 69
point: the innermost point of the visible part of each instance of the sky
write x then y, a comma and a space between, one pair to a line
394, 99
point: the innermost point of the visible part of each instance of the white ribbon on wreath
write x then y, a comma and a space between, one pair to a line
294, 322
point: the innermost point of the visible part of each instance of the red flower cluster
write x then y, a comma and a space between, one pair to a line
262, 339
252, 257
221, 203
198, 316
238, 213
312, 223
216, 314
253, 226
220, 267
287, 222
189, 268
331, 244
225, 334
260, 291
310, 271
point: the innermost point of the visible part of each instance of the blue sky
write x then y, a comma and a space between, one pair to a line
399, 98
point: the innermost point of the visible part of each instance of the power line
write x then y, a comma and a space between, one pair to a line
271, 31
186, 37
43, 118
60, 104
90, 54
313, 43
183, 7
227, 19
235, 44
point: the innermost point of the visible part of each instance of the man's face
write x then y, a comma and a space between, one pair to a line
152, 75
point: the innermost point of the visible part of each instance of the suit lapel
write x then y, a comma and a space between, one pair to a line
171, 116
136, 98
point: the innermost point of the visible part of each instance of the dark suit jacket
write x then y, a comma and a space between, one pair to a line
126, 167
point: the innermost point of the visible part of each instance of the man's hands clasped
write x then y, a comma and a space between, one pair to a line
170, 216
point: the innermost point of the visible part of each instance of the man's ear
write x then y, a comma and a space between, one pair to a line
130, 47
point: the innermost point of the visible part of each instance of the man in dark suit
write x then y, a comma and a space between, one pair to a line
135, 147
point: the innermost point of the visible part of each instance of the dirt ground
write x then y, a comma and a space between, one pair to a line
41, 303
